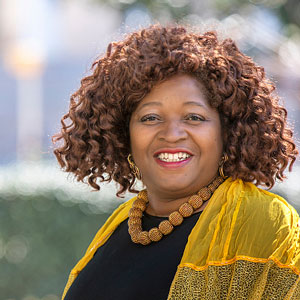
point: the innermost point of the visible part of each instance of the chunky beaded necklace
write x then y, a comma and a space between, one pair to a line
165, 227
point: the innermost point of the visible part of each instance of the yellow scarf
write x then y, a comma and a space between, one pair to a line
245, 245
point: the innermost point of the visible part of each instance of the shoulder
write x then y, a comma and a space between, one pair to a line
251, 204
266, 206
265, 225
117, 217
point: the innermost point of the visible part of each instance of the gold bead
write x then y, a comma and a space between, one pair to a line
135, 212
132, 221
216, 183
140, 204
165, 227
155, 235
134, 238
204, 193
211, 187
219, 180
134, 226
134, 233
175, 218
195, 201
144, 238
186, 210
143, 195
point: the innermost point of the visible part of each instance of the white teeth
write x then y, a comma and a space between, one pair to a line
169, 157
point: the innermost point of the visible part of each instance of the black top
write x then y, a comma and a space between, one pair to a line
121, 269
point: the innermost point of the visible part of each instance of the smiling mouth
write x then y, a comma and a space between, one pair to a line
173, 157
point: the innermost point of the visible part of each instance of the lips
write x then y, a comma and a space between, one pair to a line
172, 158
169, 157
172, 151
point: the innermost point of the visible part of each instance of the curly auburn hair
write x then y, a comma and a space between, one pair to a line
95, 131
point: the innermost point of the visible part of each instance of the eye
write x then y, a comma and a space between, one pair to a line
194, 117
149, 118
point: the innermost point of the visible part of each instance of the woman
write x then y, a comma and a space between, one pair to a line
199, 124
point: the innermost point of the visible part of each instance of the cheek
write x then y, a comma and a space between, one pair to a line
212, 142
138, 142
216, 134
133, 142
133, 134
218, 140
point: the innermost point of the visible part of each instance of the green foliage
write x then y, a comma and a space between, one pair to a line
40, 241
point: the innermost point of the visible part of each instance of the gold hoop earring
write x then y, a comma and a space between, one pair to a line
221, 165
135, 170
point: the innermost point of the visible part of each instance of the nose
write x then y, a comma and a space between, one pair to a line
172, 132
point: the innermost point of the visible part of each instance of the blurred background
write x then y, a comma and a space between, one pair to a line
46, 46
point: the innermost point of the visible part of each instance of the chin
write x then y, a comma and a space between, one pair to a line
175, 187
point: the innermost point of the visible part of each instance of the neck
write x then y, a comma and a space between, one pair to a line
163, 205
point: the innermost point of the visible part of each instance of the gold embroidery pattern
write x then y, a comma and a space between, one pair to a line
240, 280
295, 293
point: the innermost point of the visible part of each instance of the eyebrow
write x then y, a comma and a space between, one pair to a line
194, 103
155, 103
150, 104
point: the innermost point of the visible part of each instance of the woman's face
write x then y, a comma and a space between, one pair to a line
176, 138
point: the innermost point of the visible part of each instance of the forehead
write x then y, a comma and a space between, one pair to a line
181, 87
